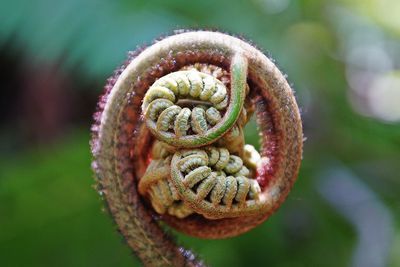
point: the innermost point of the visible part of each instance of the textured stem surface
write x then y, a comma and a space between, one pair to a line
121, 143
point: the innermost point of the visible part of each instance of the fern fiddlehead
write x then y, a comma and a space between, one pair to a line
158, 104
215, 186
187, 157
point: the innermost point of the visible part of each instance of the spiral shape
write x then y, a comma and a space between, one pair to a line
181, 108
214, 183
136, 160
213, 174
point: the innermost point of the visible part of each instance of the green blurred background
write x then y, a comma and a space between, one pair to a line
343, 58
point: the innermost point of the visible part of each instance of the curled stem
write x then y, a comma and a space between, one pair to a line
122, 144
164, 96
238, 85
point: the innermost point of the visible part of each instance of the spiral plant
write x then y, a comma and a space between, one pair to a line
168, 143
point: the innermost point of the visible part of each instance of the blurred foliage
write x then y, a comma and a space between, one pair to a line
49, 212
49, 215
